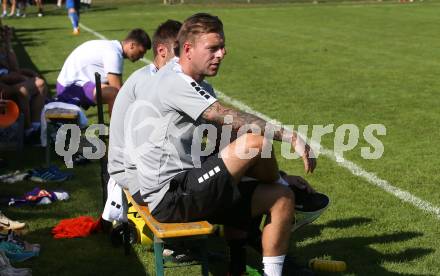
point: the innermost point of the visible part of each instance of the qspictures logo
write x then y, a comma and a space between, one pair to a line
205, 137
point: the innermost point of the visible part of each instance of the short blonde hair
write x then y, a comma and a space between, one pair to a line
199, 23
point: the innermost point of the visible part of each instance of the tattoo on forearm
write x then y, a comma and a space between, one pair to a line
216, 114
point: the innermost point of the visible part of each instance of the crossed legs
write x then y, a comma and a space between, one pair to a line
268, 198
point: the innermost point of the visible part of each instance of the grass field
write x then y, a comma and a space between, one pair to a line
301, 64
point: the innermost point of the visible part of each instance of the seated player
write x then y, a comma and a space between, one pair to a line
24, 86
76, 81
179, 182
164, 42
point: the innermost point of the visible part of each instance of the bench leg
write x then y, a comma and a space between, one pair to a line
125, 226
204, 260
158, 256
48, 132
126, 238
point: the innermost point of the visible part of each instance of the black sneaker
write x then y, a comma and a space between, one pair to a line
79, 159
291, 268
308, 207
178, 253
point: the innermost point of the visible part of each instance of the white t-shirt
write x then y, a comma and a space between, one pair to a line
102, 56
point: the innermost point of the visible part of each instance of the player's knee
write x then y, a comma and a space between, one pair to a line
254, 141
23, 93
110, 92
285, 202
40, 84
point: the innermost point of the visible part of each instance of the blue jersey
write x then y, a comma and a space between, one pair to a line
73, 4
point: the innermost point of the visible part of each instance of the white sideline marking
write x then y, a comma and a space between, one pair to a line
350, 166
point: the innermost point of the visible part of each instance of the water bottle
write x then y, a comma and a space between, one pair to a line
327, 265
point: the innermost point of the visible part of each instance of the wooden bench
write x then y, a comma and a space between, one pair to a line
57, 115
167, 232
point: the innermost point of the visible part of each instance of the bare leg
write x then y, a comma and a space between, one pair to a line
39, 4
277, 201
109, 94
13, 6
13, 78
22, 96
4, 7
263, 169
38, 100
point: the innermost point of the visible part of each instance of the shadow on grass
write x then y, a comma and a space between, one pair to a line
21, 41
92, 255
357, 251
34, 30
97, 9
43, 72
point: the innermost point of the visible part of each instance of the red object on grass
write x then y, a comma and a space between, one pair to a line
8, 113
76, 227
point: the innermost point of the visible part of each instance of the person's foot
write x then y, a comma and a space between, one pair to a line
308, 206
8, 224
4, 14
79, 159
178, 254
40, 13
75, 31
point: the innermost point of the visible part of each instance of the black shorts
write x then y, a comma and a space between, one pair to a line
207, 193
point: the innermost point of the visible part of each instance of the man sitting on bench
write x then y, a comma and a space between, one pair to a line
164, 43
76, 81
178, 182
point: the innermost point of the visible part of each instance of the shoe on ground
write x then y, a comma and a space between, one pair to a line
48, 175
79, 159
178, 253
16, 253
76, 31
308, 207
8, 224
40, 13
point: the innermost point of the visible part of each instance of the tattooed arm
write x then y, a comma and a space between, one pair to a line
217, 114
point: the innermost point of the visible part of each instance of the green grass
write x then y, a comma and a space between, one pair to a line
301, 64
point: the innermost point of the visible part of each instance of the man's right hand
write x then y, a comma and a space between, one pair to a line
306, 153
309, 160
